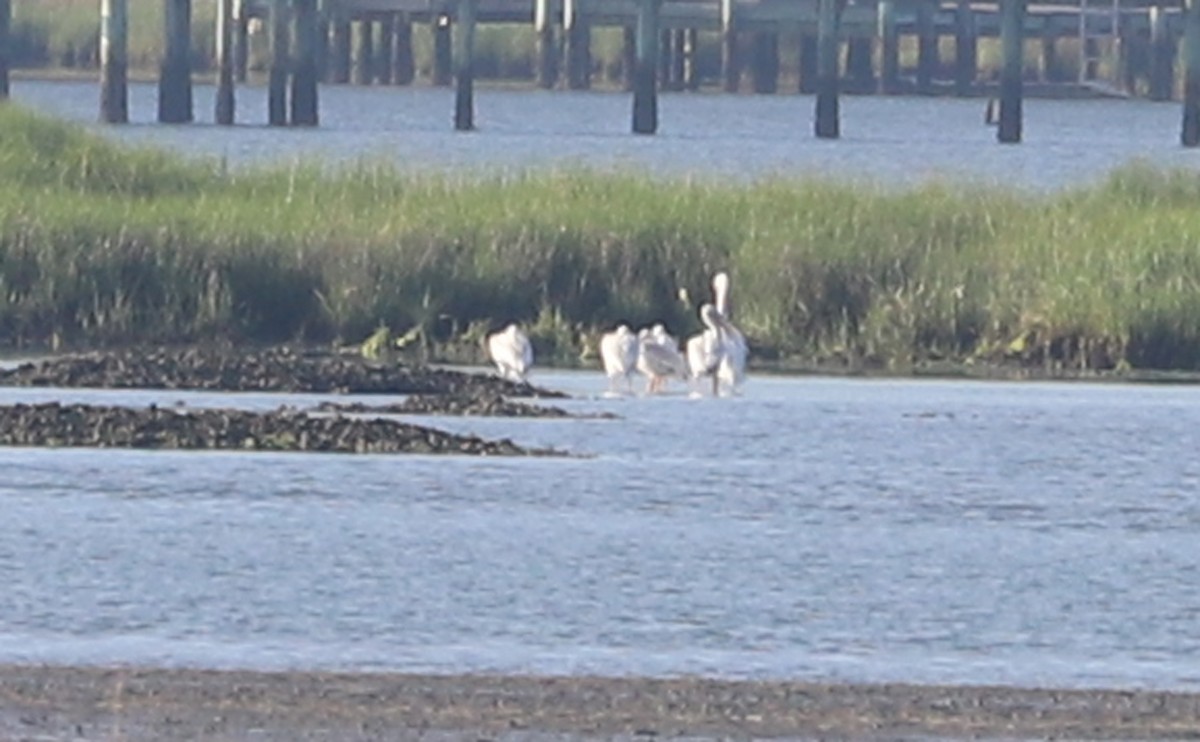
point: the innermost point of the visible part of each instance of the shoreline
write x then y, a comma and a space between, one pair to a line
133, 703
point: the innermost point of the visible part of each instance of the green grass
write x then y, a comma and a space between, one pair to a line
101, 244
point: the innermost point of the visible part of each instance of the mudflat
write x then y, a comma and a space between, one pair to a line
71, 703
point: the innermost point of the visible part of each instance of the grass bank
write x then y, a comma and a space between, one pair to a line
104, 245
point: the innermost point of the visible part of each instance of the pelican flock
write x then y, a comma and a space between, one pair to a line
717, 354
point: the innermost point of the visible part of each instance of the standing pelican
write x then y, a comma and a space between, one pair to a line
511, 352
706, 349
732, 368
659, 358
619, 353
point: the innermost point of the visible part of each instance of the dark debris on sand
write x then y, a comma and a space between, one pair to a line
78, 425
272, 370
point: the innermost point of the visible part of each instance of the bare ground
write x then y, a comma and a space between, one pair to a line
71, 703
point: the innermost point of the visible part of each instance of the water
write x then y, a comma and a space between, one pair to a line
818, 529
863, 530
886, 140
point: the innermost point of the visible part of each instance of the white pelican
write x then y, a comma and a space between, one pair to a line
706, 349
659, 358
619, 353
732, 368
511, 352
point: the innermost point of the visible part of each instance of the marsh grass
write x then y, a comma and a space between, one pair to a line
102, 244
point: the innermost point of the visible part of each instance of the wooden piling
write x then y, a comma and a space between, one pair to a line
966, 48
364, 52
808, 64
731, 70
1190, 135
645, 86
304, 70
1162, 56
578, 32
5, 42
889, 47
691, 48
859, 70
225, 63
547, 50
464, 64
321, 50
628, 57
765, 69
114, 47
927, 46
827, 124
678, 58
443, 61
664, 59
1051, 66
1012, 40
241, 40
387, 48
175, 70
405, 68
277, 78
340, 50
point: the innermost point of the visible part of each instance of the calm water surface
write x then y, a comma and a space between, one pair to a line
813, 528
889, 140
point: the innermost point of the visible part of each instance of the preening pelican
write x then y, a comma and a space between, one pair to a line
732, 368
619, 353
511, 352
659, 358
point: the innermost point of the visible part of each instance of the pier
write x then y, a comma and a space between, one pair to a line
828, 47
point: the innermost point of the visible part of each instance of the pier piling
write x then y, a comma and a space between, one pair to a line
1162, 56
645, 84
175, 71
577, 31
678, 59
114, 49
765, 71
807, 75
339, 52
442, 52
547, 50
464, 63
402, 58
966, 48
1012, 40
277, 108
827, 119
5, 42
241, 40
927, 46
889, 47
731, 71
304, 71
225, 63
628, 56
386, 67
691, 49
364, 53
859, 69
1190, 136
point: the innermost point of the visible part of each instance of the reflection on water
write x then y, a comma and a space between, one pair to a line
814, 528
890, 140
